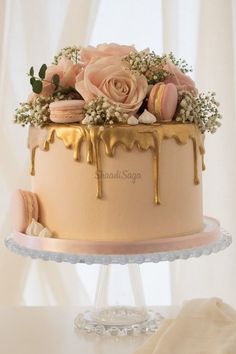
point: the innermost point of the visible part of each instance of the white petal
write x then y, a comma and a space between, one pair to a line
34, 228
45, 233
132, 120
37, 229
147, 118
87, 120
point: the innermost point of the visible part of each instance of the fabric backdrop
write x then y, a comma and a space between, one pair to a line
202, 32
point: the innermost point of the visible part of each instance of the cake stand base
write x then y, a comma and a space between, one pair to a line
107, 320
118, 321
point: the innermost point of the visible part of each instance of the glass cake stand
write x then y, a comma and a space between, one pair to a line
122, 320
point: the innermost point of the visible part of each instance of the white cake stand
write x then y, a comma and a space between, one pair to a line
123, 320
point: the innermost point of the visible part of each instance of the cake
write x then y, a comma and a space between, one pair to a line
116, 142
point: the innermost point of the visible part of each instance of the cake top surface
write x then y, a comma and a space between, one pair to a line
114, 84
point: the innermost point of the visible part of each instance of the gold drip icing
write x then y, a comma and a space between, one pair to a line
144, 137
203, 161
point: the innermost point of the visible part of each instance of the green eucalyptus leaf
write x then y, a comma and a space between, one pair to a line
37, 86
56, 79
31, 71
32, 80
42, 71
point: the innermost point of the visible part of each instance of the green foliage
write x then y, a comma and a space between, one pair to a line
56, 80
72, 53
201, 110
37, 86
31, 71
152, 66
148, 64
42, 71
36, 112
99, 111
37, 82
181, 63
32, 80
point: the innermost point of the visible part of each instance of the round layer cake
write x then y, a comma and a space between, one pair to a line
119, 183
116, 142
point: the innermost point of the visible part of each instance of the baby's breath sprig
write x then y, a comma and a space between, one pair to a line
181, 63
100, 111
72, 53
201, 110
35, 112
148, 64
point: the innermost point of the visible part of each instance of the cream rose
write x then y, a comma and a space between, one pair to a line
104, 50
107, 77
178, 78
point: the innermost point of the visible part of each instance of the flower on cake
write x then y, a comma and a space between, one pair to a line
148, 64
182, 81
201, 110
99, 111
91, 53
72, 53
64, 74
119, 85
107, 77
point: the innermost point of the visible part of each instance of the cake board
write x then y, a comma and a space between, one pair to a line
123, 320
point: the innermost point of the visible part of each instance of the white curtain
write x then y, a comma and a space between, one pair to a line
202, 32
215, 63
31, 32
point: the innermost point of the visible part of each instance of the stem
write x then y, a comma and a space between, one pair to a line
50, 82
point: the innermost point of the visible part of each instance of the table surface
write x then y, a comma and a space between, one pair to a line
49, 330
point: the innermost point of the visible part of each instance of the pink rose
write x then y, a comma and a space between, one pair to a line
67, 72
182, 81
105, 50
107, 77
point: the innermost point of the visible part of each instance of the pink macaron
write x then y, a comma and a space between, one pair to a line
163, 101
67, 111
24, 208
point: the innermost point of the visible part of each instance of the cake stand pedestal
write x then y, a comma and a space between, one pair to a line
123, 320
105, 319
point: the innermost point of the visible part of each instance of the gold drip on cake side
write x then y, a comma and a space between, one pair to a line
144, 137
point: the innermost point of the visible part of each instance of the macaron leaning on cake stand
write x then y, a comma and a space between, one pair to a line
25, 214
24, 208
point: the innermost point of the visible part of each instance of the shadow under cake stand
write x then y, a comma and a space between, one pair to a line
121, 320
